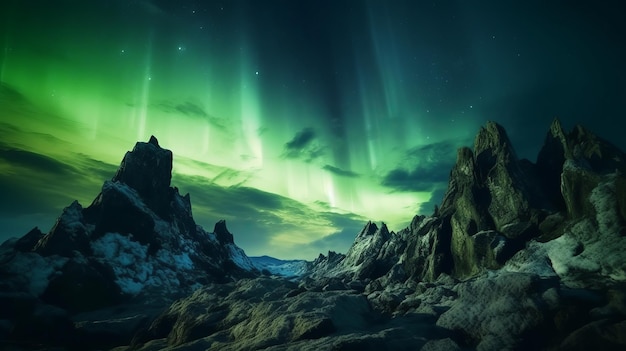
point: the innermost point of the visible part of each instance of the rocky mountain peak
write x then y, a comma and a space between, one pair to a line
492, 145
369, 229
148, 170
550, 162
137, 238
153, 140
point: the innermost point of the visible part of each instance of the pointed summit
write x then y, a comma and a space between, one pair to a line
222, 233
153, 140
369, 229
550, 162
492, 145
148, 170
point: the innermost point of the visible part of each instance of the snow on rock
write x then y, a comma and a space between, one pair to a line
135, 269
72, 219
238, 256
285, 268
127, 191
127, 258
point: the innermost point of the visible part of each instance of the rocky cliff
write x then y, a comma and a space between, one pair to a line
558, 224
496, 205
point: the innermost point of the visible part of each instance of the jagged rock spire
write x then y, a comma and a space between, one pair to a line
153, 140
222, 233
148, 170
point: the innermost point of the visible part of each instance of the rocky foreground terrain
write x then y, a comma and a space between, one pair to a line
519, 255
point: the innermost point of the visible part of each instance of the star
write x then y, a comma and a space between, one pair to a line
257, 73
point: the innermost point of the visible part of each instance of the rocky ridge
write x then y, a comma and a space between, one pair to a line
519, 255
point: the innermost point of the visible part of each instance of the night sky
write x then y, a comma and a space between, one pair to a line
296, 121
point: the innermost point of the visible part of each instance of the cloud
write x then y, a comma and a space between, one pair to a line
35, 162
36, 187
425, 168
428, 208
349, 226
341, 172
264, 223
193, 110
302, 146
301, 139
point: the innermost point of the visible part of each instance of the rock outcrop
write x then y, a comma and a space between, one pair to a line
136, 243
262, 313
525, 239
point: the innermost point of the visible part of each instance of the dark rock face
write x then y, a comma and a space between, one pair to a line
488, 190
83, 286
222, 233
29, 240
148, 170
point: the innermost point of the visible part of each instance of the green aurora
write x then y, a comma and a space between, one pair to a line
295, 121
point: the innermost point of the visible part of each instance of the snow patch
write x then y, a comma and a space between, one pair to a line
285, 268
127, 258
134, 269
238, 256
72, 219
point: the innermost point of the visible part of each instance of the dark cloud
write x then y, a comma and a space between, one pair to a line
194, 110
231, 175
341, 172
190, 109
255, 217
323, 204
426, 168
418, 179
45, 186
302, 146
428, 208
301, 140
340, 241
35, 162
252, 215
94, 169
